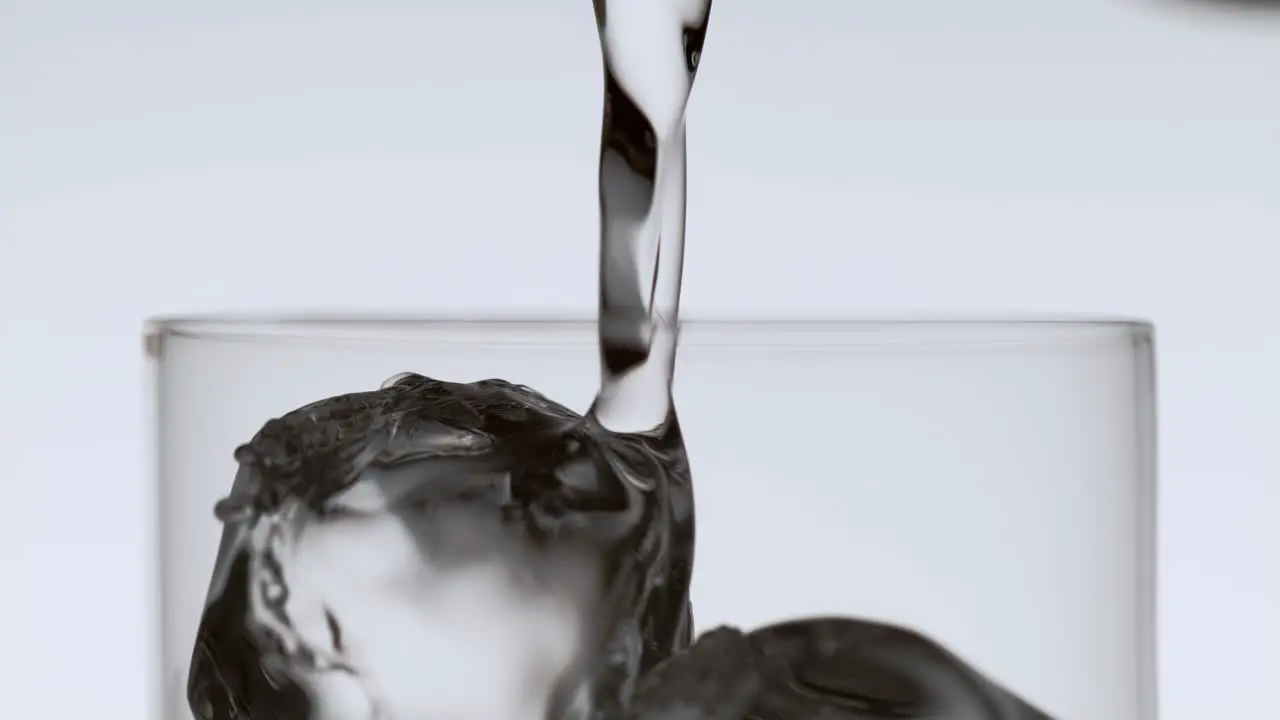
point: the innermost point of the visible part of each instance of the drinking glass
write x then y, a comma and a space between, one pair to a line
987, 483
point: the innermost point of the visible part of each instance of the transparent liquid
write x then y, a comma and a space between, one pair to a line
650, 51
476, 551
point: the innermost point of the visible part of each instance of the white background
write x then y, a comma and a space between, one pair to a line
1092, 155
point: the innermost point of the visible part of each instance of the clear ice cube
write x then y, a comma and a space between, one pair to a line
820, 669
437, 549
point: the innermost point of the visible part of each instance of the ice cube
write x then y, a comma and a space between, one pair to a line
821, 669
436, 549
716, 679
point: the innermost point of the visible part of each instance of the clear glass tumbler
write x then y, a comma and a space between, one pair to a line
988, 484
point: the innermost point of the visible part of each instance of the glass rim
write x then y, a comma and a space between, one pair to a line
870, 328
213, 324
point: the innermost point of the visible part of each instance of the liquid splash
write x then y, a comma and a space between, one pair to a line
537, 562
